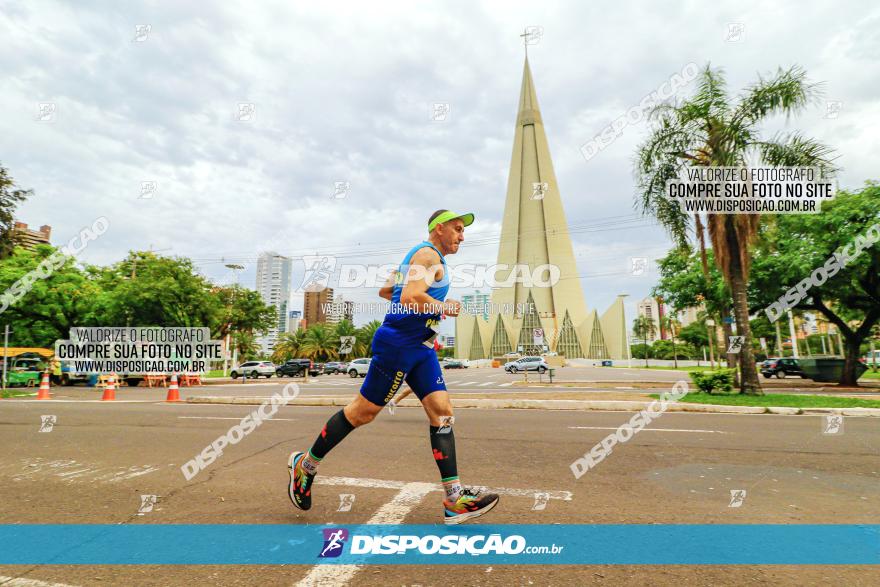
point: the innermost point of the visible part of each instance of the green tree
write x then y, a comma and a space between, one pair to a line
240, 310
365, 336
50, 306
792, 248
346, 328
644, 328
320, 343
669, 323
148, 290
10, 198
287, 346
710, 130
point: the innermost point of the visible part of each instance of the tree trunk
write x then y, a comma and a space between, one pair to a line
731, 357
749, 385
848, 377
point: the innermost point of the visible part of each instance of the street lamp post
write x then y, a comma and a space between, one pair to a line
236, 268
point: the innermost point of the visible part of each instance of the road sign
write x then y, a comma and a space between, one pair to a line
538, 336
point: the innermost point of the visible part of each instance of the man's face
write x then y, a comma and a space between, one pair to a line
451, 235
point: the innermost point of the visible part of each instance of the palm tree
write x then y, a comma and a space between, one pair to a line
365, 337
710, 130
346, 328
670, 323
287, 346
645, 326
319, 343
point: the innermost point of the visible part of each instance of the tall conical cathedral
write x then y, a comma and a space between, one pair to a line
535, 232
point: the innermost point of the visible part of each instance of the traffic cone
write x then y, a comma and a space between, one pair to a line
173, 392
43, 393
109, 390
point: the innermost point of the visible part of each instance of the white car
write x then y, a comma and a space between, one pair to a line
358, 368
527, 364
254, 369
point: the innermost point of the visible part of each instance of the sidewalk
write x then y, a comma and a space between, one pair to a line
611, 401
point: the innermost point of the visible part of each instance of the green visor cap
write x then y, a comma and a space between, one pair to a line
468, 219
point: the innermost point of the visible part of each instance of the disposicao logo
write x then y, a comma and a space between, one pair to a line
334, 540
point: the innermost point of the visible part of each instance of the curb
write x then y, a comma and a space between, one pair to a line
560, 404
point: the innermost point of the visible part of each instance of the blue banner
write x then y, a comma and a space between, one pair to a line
500, 544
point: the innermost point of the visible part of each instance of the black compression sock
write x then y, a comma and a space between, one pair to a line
336, 428
443, 446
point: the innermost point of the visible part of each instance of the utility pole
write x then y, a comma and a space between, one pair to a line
236, 268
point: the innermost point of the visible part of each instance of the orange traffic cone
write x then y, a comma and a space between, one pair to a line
109, 390
173, 392
43, 393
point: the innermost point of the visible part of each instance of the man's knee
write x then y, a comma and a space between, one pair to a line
359, 414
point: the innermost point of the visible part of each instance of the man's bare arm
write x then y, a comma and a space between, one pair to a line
424, 268
387, 290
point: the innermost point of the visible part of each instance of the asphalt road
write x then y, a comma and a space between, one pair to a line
100, 457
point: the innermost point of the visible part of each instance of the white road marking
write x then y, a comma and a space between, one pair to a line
387, 484
231, 418
67, 470
22, 582
485, 384
468, 383
508, 384
646, 429
393, 512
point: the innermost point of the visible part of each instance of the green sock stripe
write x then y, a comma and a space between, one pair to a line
449, 479
313, 457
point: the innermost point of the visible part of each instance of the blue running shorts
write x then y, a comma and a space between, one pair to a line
391, 365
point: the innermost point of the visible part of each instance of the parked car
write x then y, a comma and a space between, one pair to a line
297, 368
527, 364
334, 367
358, 367
781, 368
254, 369
454, 364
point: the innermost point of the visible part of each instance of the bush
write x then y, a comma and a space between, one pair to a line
718, 381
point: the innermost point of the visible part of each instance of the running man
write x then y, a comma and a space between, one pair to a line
403, 350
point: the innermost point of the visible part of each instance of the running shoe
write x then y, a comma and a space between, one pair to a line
299, 490
470, 504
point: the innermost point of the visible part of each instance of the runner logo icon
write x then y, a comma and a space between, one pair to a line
334, 540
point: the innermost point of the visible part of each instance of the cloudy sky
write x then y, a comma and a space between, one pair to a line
344, 91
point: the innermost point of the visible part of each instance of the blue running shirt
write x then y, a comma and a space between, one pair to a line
403, 327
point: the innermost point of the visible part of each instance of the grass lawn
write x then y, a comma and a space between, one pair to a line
779, 400
870, 375
215, 373
12, 392
660, 368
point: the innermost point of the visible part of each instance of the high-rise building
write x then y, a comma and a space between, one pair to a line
652, 309
690, 315
477, 303
340, 309
317, 302
534, 233
294, 320
27, 238
273, 283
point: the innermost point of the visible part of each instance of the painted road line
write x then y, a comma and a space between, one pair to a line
22, 582
389, 484
646, 429
468, 383
393, 512
485, 384
231, 418
508, 384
